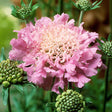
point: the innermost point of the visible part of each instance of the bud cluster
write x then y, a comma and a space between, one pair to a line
83, 4
107, 48
24, 12
70, 101
10, 73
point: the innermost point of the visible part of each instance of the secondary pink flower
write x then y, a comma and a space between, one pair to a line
56, 50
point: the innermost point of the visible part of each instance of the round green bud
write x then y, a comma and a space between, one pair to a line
107, 48
84, 4
6, 84
4, 78
20, 79
14, 81
70, 101
9, 79
18, 75
13, 76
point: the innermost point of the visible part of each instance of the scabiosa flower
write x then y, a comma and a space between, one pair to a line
56, 50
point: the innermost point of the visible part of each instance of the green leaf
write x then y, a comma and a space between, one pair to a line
18, 105
99, 3
31, 84
51, 104
60, 90
75, 4
22, 3
102, 38
35, 7
99, 41
30, 4
19, 88
110, 37
5, 95
13, 8
94, 3
2, 57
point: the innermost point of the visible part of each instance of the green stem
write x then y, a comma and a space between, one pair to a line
106, 84
49, 8
8, 102
61, 6
80, 17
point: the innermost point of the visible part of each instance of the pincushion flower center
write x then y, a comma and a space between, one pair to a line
59, 42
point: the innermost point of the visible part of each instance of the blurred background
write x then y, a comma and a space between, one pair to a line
35, 100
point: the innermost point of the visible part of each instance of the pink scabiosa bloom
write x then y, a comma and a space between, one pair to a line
56, 50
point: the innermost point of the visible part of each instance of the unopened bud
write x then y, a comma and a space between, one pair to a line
6, 84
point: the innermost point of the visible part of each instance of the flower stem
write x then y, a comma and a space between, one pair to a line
80, 17
8, 102
106, 84
61, 6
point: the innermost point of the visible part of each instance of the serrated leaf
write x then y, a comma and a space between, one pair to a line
2, 57
5, 95
19, 88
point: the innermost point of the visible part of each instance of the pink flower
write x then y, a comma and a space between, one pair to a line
56, 50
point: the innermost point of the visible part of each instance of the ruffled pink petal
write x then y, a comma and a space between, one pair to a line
61, 19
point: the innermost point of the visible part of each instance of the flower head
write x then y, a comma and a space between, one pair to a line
10, 73
86, 5
56, 49
107, 48
25, 12
70, 101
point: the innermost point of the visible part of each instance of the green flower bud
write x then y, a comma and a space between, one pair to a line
25, 12
6, 84
107, 48
10, 72
84, 4
9, 79
70, 101
14, 81
20, 79
13, 76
